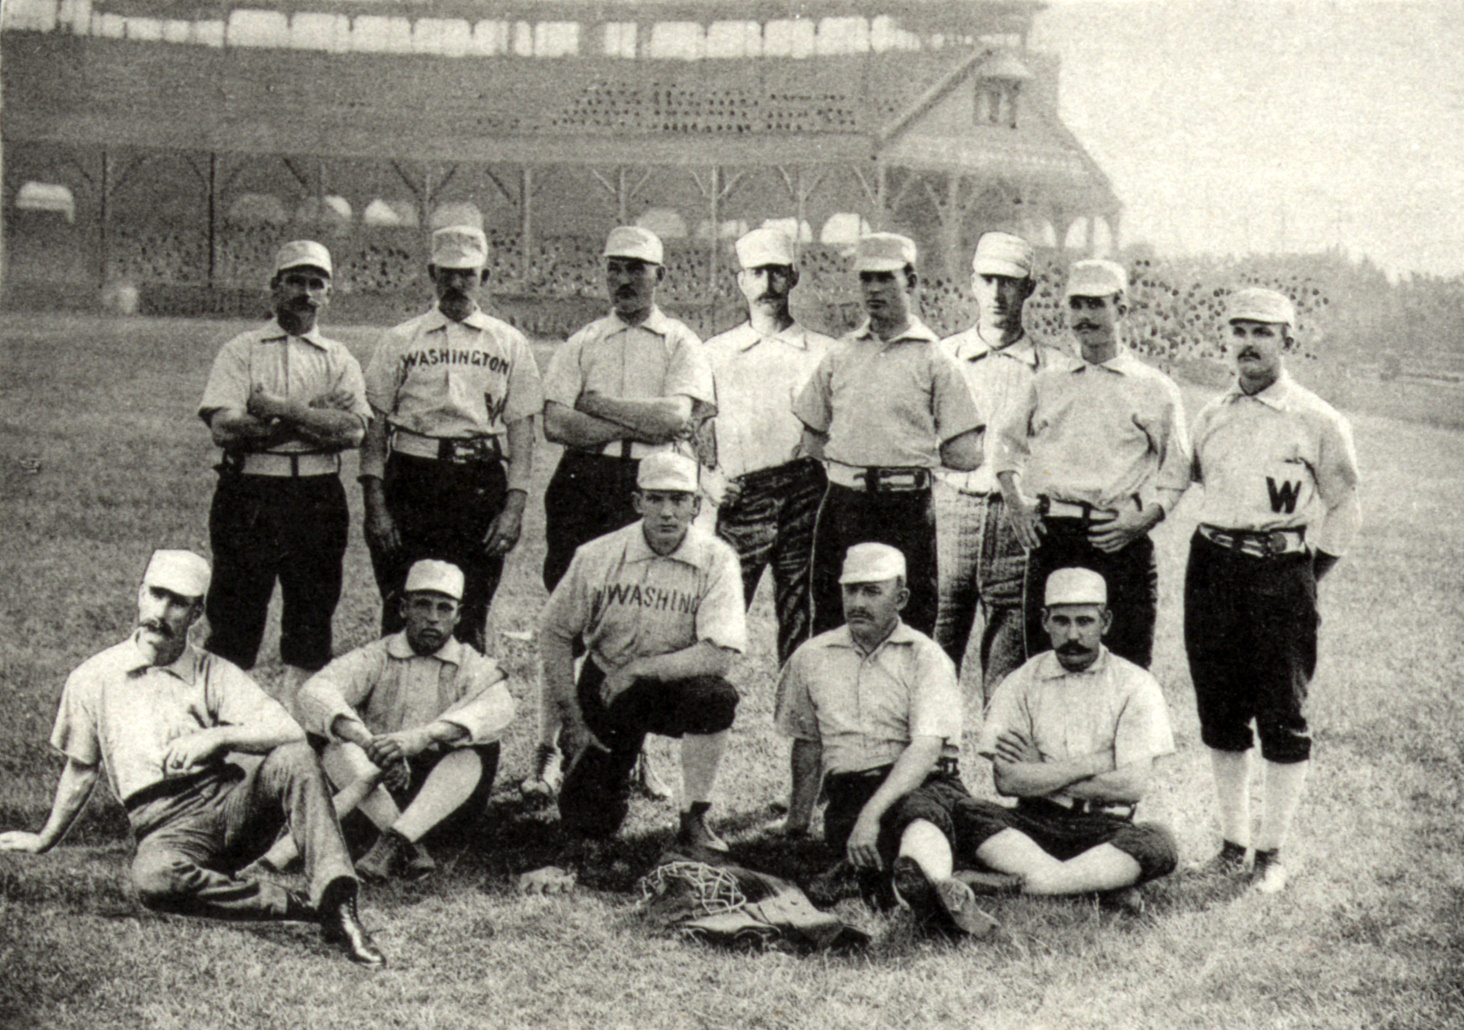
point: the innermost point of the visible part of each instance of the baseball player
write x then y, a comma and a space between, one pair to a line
885, 407
1280, 508
161, 717
282, 401
1101, 452
417, 717
659, 605
874, 711
630, 384
981, 561
1073, 735
447, 462
772, 489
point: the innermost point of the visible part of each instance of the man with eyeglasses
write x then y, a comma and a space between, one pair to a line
283, 402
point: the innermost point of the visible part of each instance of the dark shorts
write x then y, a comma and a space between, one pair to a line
588, 496
595, 796
1250, 630
942, 800
1064, 835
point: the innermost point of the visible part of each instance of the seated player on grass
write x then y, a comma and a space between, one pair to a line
874, 711
413, 718
1073, 735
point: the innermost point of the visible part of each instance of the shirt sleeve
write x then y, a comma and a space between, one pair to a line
228, 380
1337, 481
814, 405
1143, 731
75, 734
1171, 443
564, 380
567, 613
234, 699
793, 712
721, 616
339, 689
525, 389
1014, 434
1005, 712
383, 374
349, 380
935, 709
951, 401
689, 373
485, 708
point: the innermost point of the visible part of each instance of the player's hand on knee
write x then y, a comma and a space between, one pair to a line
551, 879
863, 846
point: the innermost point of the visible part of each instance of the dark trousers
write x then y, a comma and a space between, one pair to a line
588, 496
902, 519
442, 510
194, 834
1250, 630
595, 796
267, 528
1133, 587
771, 524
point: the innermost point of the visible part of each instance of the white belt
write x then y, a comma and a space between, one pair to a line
632, 449
263, 463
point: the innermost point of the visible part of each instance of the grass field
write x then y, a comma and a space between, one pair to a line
101, 459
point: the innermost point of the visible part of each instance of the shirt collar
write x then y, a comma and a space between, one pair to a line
1123, 363
398, 648
901, 634
916, 332
1051, 668
275, 331
638, 549
972, 346
184, 667
437, 320
1274, 396
794, 336
656, 322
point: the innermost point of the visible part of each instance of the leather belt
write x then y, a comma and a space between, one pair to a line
471, 450
903, 479
273, 463
1051, 508
1271, 544
1082, 806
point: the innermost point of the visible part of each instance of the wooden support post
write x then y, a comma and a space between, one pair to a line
526, 220
213, 238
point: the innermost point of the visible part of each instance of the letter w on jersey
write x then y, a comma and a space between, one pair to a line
1283, 495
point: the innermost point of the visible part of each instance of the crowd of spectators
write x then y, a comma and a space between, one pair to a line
1348, 310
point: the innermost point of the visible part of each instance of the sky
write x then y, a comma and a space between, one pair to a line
1237, 126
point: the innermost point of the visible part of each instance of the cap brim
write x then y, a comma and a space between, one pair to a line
303, 264
879, 265
991, 266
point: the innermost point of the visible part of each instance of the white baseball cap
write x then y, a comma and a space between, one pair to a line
872, 563
181, 572
303, 253
1002, 253
631, 241
763, 247
883, 252
1075, 586
667, 470
1096, 277
459, 246
1255, 304
438, 576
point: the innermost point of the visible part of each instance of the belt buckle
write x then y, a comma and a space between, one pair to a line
1276, 543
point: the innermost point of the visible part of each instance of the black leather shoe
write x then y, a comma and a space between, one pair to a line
340, 924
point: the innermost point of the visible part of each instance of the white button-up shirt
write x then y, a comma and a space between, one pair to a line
864, 710
998, 378
1100, 434
757, 379
1279, 459
1112, 705
388, 687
